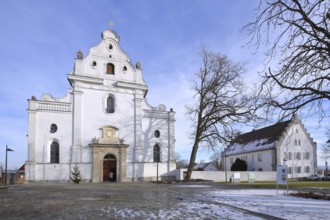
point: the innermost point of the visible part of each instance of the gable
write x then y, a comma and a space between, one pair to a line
296, 134
106, 64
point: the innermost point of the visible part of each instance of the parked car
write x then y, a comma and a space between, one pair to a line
326, 177
314, 177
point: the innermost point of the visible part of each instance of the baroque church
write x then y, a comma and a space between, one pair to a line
103, 125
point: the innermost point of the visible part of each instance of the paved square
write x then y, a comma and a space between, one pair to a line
135, 201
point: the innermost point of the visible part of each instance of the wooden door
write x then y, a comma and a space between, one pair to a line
112, 171
109, 171
106, 170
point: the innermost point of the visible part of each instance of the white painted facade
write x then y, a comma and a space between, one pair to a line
88, 129
294, 148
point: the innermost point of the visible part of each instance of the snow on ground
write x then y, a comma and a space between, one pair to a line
184, 210
268, 202
207, 205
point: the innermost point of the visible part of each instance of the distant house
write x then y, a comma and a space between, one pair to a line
205, 167
286, 143
14, 176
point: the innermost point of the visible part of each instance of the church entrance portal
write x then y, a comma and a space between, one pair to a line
109, 168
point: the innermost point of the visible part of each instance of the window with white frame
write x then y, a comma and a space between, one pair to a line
306, 155
110, 69
54, 152
259, 157
110, 108
297, 155
157, 155
290, 170
297, 169
307, 169
290, 156
285, 156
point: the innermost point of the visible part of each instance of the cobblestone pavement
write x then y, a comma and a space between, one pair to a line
115, 201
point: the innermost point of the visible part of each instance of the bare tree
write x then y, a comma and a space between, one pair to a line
221, 101
326, 147
296, 36
215, 159
180, 163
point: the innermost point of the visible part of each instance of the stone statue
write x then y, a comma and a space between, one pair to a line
138, 65
79, 55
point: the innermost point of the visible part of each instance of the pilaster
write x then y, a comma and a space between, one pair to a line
138, 114
76, 126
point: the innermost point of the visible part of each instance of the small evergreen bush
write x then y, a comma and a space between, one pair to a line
75, 175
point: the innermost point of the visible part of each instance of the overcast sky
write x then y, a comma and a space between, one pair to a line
39, 39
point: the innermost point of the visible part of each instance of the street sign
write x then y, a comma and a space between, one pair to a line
281, 175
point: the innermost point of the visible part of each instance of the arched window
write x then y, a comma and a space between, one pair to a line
157, 134
156, 153
54, 152
110, 105
110, 69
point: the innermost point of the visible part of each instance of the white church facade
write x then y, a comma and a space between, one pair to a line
103, 125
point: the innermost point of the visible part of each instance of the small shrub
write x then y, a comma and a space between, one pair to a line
75, 175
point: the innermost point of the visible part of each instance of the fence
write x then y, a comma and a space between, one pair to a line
221, 176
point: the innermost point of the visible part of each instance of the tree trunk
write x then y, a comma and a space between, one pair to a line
191, 162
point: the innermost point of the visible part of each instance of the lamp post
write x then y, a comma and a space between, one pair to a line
326, 170
225, 166
158, 160
157, 170
7, 149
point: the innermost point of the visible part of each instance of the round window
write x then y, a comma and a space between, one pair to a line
157, 134
53, 128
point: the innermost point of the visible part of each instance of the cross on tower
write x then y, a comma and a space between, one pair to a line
111, 24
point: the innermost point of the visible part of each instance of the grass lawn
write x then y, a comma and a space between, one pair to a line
292, 184
305, 189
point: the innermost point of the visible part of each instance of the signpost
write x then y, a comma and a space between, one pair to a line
237, 177
326, 170
252, 177
282, 177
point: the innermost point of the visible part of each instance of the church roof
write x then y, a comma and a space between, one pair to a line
260, 139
